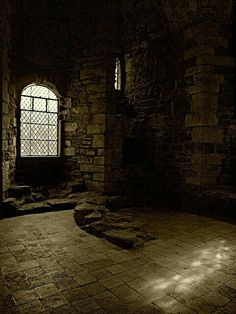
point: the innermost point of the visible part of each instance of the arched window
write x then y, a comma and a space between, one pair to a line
39, 127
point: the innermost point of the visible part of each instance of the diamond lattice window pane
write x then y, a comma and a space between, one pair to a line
52, 134
25, 116
52, 106
39, 132
39, 104
39, 148
39, 117
53, 119
53, 148
26, 103
25, 131
25, 148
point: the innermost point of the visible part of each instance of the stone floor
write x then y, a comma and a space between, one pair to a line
48, 264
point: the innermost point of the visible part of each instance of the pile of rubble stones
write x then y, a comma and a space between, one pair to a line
94, 212
97, 214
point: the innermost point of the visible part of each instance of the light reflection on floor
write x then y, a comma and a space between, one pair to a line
206, 282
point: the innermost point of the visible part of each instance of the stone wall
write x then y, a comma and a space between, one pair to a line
85, 123
8, 109
93, 50
211, 117
179, 99
155, 102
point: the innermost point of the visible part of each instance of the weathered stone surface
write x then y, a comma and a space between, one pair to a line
61, 203
124, 238
34, 207
116, 202
19, 191
94, 217
9, 206
78, 187
9, 203
38, 197
89, 197
83, 209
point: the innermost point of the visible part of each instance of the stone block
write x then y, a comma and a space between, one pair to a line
100, 152
207, 135
6, 122
99, 160
199, 69
195, 170
91, 168
81, 110
69, 151
62, 203
78, 186
71, 126
99, 118
68, 143
98, 141
89, 152
211, 170
33, 208
84, 209
208, 78
204, 102
85, 160
97, 88
5, 85
95, 129
95, 185
208, 180
118, 201
200, 50
99, 176
5, 105
193, 180
19, 191
205, 119
212, 88
4, 134
214, 41
212, 159
92, 72
5, 145
98, 107
6, 185
124, 238
215, 60
68, 102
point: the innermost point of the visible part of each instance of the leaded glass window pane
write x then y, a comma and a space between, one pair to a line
39, 121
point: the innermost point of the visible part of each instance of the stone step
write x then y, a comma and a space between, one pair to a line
14, 207
19, 191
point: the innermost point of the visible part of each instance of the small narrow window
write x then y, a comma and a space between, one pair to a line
39, 127
118, 74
